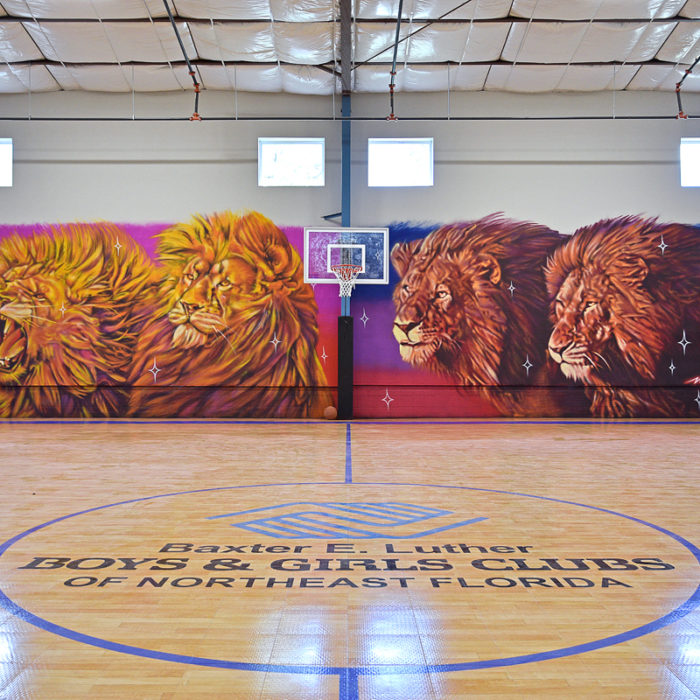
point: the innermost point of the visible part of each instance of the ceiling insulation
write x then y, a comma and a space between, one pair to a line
294, 46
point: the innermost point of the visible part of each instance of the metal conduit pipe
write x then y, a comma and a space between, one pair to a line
195, 115
291, 118
392, 82
681, 113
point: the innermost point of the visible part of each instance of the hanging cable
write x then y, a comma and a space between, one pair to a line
197, 88
392, 83
681, 113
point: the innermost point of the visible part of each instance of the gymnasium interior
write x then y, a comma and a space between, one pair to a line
349, 349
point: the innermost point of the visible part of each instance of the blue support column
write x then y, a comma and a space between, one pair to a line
345, 160
345, 176
345, 335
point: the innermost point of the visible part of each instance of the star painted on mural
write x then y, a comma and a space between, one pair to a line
118, 246
672, 367
324, 357
364, 318
387, 399
697, 400
275, 341
154, 370
527, 365
662, 245
62, 309
684, 342
511, 288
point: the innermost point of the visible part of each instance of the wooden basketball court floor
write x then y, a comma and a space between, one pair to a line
407, 560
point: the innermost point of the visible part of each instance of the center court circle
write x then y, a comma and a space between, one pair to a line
468, 515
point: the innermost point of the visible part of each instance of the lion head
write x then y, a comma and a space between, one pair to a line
71, 301
471, 303
236, 315
622, 292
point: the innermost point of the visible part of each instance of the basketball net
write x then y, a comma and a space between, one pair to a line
346, 274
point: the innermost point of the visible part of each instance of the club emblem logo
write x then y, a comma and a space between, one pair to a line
324, 520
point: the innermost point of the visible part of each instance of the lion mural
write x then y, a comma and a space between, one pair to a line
471, 303
72, 301
625, 305
237, 331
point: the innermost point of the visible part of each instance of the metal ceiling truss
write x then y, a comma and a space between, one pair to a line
528, 46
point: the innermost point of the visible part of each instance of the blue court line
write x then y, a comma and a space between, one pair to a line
6, 545
317, 504
162, 421
280, 531
349, 676
285, 525
386, 535
434, 531
334, 516
349, 685
328, 531
314, 421
533, 421
403, 508
348, 454
374, 510
367, 509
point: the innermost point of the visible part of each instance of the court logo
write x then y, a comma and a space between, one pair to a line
333, 520
350, 564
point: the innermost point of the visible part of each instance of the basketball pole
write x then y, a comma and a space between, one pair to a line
345, 329
345, 367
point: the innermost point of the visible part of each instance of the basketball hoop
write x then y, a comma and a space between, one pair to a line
346, 274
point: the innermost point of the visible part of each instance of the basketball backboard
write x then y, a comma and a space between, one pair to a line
365, 247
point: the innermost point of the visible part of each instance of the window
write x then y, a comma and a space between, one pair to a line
690, 162
400, 162
284, 162
5, 162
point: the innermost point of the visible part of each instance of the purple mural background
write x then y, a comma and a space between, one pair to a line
480, 318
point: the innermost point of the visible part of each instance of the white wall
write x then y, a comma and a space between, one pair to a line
561, 172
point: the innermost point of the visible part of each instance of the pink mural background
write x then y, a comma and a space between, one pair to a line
646, 276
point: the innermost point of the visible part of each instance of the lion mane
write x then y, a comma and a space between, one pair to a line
471, 303
625, 294
73, 298
237, 330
